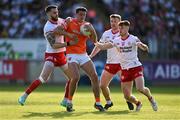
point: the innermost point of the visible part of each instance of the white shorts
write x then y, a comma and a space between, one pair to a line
78, 58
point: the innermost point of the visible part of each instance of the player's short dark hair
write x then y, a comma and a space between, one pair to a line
81, 9
115, 16
49, 7
124, 22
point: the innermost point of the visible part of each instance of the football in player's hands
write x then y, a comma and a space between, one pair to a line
85, 29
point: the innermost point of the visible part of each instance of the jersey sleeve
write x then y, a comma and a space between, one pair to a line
136, 39
47, 29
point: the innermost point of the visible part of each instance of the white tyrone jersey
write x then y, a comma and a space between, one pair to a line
49, 27
128, 52
113, 56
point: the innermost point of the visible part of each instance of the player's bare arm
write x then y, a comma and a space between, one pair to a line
104, 46
51, 39
142, 46
94, 52
93, 35
61, 31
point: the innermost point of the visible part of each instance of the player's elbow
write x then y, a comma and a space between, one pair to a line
53, 46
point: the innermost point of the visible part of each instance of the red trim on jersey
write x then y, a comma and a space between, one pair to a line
114, 31
53, 22
125, 37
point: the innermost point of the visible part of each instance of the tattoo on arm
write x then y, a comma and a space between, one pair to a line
59, 30
51, 38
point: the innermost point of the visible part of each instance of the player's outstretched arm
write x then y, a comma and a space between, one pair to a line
94, 52
104, 46
142, 46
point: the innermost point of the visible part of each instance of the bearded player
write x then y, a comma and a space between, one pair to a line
54, 55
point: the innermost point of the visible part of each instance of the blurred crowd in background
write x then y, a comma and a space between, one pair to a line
155, 22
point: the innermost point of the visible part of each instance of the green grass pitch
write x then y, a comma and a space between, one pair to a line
43, 104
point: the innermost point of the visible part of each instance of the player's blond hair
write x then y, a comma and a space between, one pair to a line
115, 16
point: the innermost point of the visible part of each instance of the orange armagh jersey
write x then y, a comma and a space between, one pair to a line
80, 47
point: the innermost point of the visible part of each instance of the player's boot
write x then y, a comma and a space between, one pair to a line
130, 105
107, 106
138, 106
99, 107
63, 103
69, 107
153, 104
22, 100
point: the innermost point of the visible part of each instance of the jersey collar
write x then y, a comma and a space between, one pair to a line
53, 22
114, 32
125, 38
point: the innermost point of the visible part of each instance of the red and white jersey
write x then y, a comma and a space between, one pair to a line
113, 56
49, 27
128, 51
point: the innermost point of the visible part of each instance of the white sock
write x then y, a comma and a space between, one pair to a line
69, 101
108, 101
98, 103
65, 99
25, 95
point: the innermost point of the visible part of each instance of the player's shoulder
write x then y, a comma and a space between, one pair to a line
133, 37
48, 26
107, 32
71, 20
61, 20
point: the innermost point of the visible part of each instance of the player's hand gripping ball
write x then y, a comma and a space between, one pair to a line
85, 29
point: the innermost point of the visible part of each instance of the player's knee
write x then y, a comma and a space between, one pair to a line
103, 86
94, 77
75, 78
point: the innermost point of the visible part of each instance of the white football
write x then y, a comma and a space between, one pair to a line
85, 29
